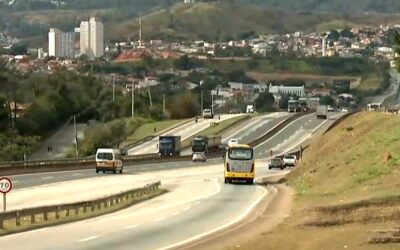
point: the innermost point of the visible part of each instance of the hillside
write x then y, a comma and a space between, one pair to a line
340, 6
346, 187
210, 21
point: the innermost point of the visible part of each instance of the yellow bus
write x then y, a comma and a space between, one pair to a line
239, 164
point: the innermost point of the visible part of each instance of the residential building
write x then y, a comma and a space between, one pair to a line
286, 90
92, 38
61, 44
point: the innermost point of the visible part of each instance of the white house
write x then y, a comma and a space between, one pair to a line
286, 90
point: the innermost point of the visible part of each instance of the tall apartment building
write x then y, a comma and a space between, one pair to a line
61, 44
92, 42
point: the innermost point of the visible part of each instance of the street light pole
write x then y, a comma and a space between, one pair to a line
113, 87
133, 98
212, 103
201, 97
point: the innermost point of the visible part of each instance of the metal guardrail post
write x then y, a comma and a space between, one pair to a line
33, 219
17, 219
1, 222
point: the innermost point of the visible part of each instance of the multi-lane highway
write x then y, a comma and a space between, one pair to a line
185, 131
198, 202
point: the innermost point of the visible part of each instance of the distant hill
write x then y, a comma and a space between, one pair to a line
342, 6
209, 21
222, 21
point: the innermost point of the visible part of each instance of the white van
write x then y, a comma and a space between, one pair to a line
108, 159
207, 113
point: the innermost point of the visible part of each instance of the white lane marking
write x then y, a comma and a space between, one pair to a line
227, 225
159, 219
116, 217
310, 120
14, 182
77, 174
89, 238
197, 203
131, 227
282, 130
176, 213
47, 177
187, 208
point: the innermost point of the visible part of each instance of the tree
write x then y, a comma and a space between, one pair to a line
19, 49
334, 35
4, 114
283, 102
347, 33
184, 63
184, 106
265, 102
327, 100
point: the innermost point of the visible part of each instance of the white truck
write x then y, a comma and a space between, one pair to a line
250, 109
322, 112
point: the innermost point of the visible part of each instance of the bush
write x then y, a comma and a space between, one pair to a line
184, 106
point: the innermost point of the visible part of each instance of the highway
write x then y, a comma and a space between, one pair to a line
198, 202
185, 131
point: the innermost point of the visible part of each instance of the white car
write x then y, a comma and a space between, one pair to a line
345, 110
232, 142
199, 156
331, 109
290, 160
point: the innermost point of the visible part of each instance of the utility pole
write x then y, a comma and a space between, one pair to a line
76, 138
149, 91
133, 98
113, 87
201, 97
212, 103
164, 103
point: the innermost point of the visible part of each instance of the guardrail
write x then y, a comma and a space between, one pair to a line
24, 167
30, 218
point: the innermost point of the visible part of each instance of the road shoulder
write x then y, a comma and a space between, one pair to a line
272, 211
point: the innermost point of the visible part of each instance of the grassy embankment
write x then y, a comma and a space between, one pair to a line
347, 165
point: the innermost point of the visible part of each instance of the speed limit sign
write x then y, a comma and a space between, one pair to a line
5, 185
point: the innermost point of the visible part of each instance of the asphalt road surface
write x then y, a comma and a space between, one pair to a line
185, 131
197, 205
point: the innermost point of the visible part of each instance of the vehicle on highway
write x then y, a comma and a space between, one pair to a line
169, 145
276, 163
232, 142
289, 160
199, 156
345, 110
207, 113
250, 109
234, 111
374, 106
322, 112
108, 159
206, 143
330, 108
239, 164
293, 106
303, 104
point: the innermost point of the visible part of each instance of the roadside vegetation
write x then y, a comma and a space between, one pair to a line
346, 189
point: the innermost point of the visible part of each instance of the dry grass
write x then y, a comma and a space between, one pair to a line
345, 190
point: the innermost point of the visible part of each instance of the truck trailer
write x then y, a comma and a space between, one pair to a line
169, 145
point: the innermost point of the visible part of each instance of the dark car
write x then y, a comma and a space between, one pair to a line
276, 163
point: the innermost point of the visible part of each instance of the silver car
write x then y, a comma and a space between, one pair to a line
199, 156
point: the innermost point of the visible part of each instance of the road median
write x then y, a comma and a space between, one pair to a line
44, 216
